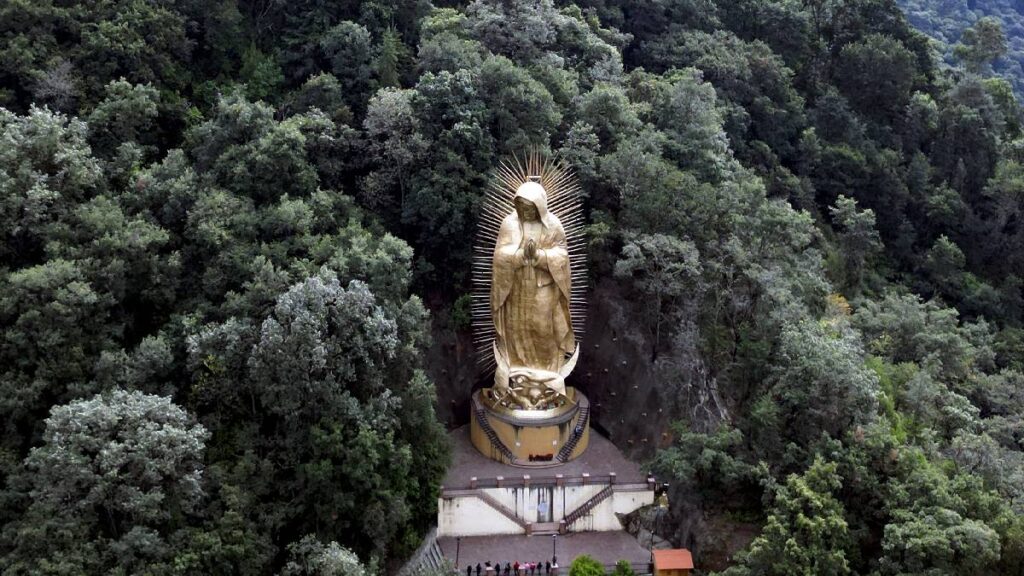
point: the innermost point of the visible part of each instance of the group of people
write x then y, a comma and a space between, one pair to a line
516, 569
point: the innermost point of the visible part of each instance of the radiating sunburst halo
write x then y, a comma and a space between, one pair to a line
565, 201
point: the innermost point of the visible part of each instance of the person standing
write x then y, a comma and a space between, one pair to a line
477, 569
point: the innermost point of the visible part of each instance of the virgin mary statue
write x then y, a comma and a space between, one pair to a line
530, 291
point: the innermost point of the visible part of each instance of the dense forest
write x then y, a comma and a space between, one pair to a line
237, 238
961, 27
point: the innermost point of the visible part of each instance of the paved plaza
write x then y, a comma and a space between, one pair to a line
605, 547
600, 458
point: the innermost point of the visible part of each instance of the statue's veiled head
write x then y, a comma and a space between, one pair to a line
527, 210
531, 202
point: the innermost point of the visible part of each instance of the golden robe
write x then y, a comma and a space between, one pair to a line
530, 299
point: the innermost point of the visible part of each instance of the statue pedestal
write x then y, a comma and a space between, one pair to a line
530, 438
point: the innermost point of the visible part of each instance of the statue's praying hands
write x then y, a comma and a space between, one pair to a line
531, 252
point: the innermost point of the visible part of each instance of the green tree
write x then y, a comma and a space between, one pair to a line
877, 75
981, 44
665, 271
711, 465
531, 31
445, 43
309, 557
944, 265
939, 523
806, 532
858, 239
49, 171
65, 55
396, 146
261, 74
584, 565
820, 383
622, 568
752, 82
520, 111
684, 108
607, 110
126, 115
438, 212
349, 52
906, 328
115, 476
324, 92
654, 195
391, 59
355, 435
965, 150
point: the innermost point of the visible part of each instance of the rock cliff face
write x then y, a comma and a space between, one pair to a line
713, 539
451, 364
634, 397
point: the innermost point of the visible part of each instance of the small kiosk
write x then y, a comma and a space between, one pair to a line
676, 562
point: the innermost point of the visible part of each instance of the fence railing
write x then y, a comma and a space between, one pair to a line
427, 558
473, 483
639, 568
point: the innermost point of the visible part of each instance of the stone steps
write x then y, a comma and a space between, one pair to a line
490, 501
587, 506
485, 425
577, 432
544, 528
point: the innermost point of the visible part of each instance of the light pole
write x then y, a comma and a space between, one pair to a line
458, 545
658, 513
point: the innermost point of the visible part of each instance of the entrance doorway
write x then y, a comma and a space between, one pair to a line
545, 503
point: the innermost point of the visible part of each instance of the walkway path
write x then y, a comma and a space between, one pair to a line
605, 547
600, 458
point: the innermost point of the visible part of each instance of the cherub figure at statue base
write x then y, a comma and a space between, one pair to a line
522, 388
530, 389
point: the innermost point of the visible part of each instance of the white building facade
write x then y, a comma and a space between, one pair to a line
522, 506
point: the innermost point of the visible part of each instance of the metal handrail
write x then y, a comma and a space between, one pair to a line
452, 492
545, 481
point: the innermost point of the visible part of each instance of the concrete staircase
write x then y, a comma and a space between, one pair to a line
428, 559
587, 506
485, 425
490, 501
577, 433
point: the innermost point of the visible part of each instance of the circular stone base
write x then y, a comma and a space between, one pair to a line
528, 438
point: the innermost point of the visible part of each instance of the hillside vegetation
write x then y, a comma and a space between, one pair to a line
233, 228
958, 26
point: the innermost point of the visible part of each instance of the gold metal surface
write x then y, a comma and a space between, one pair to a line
534, 345
504, 404
533, 441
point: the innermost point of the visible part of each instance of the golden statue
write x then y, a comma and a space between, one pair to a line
530, 293
530, 309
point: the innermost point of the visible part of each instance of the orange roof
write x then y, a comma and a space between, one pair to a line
678, 559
